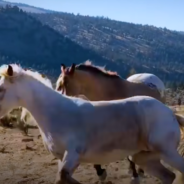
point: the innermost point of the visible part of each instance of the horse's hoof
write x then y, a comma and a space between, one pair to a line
103, 176
141, 172
135, 180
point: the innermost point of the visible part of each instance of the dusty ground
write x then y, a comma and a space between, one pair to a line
29, 163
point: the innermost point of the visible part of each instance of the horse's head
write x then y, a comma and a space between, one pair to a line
71, 81
9, 88
15, 83
92, 81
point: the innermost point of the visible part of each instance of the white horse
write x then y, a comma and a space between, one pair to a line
79, 131
150, 80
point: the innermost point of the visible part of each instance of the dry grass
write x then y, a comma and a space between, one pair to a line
172, 97
179, 109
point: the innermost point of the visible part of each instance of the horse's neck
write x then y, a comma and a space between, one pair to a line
133, 88
117, 88
42, 103
114, 88
124, 88
128, 89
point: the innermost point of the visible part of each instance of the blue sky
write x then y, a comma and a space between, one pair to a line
160, 13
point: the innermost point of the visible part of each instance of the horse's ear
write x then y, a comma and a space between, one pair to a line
72, 69
10, 70
43, 75
63, 67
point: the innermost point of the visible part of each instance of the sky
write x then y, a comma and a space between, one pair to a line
160, 13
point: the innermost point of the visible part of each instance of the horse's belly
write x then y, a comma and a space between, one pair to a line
106, 157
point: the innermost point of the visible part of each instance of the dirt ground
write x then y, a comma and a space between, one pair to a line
24, 160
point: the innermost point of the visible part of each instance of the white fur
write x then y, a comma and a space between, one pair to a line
25, 113
76, 130
148, 78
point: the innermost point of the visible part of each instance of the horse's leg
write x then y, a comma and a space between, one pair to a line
151, 163
165, 143
132, 169
102, 174
174, 159
66, 167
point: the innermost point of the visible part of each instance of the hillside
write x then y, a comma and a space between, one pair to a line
25, 40
145, 48
25, 7
119, 46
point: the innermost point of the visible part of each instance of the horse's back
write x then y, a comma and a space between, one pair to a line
151, 81
135, 107
147, 78
148, 107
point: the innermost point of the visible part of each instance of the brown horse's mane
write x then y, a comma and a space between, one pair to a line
97, 70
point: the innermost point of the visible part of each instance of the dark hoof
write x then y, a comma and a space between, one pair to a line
103, 176
140, 172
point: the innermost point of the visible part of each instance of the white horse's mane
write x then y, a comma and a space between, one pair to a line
18, 71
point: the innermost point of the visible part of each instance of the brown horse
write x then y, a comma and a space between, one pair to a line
98, 84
